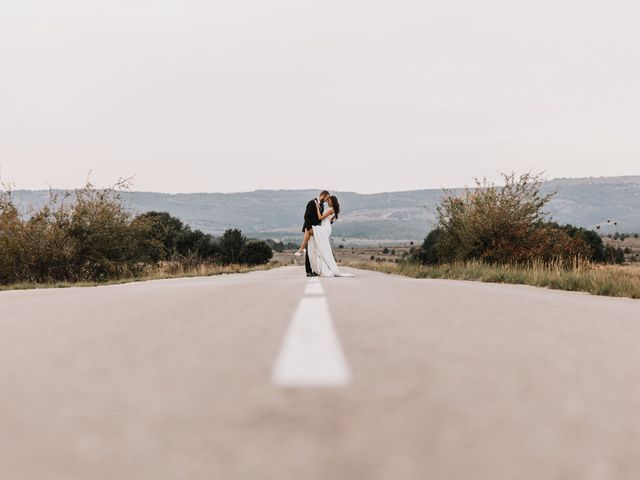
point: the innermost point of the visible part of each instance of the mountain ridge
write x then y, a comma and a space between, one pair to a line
400, 216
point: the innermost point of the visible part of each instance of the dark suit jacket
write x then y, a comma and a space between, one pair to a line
311, 215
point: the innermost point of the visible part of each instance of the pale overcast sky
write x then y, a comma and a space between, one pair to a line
367, 95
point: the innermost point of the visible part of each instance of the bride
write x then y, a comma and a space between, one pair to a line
318, 241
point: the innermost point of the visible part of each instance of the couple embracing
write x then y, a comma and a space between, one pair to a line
319, 216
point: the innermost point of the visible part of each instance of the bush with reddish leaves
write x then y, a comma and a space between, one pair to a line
501, 225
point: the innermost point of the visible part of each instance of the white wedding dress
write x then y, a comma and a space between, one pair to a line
320, 253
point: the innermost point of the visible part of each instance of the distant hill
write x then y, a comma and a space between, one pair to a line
398, 216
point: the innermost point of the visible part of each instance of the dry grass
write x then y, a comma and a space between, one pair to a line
613, 281
164, 271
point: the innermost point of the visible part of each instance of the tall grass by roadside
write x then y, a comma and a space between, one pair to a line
158, 272
607, 280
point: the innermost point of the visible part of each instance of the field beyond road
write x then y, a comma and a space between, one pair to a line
442, 379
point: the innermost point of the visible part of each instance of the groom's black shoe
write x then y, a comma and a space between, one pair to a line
312, 274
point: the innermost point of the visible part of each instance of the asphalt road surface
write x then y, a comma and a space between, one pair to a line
269, 376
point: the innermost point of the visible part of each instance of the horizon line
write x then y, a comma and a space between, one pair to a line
240, 192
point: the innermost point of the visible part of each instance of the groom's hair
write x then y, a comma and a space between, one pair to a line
324, 193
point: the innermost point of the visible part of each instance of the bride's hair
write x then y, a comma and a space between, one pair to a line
336, 205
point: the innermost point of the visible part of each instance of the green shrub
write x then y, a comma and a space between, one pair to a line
428, 253
613, 255
163, 234
255, 252
89, 235
199, 244
591, 238
231, 244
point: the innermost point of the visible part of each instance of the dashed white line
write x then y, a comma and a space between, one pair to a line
314, 288
311, 355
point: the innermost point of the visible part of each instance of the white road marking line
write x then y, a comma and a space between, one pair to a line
314, 288
311, 355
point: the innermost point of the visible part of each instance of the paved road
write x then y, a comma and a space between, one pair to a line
175, 379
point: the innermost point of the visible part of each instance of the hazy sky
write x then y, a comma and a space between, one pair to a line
367, 95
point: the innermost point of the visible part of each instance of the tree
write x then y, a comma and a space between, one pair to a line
164, 227
593, 240
167, 237
428, 253
196, 243
255, 252
231, 244
162, 232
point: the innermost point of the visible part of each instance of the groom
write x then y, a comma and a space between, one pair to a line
311, 219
